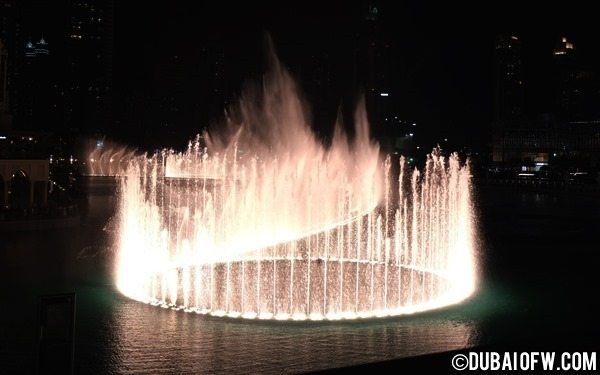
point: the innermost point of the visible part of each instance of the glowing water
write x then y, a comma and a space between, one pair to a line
272, 224
108, 159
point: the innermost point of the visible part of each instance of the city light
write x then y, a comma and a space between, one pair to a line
384, 94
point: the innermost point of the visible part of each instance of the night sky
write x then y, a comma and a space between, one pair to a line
444, 54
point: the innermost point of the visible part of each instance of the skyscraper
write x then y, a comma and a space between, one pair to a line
508, 92
38, 100
380, 73
569, 91
28, 29
508, 80
373, 60
59, 64
11, 37
89, 65
577, 85
5, 120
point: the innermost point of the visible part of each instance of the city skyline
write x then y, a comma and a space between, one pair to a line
174, 71
442, 79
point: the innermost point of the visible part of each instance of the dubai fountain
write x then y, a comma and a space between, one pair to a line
108, 159
265, 221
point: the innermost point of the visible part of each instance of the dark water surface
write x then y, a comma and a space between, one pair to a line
539, 263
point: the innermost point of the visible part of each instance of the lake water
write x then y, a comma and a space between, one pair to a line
539, 263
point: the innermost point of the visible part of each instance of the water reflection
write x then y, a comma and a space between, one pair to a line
543, 297
116, 335
151, 340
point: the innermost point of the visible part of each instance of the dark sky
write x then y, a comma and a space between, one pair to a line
445, 53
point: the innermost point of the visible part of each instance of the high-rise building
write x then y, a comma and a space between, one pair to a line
38, 103
508, 80
89, 69
31, 29
59, 64
564, 48
577, 85
379, 71
5, 119
508, 92
373, 62
570, 130
11, 36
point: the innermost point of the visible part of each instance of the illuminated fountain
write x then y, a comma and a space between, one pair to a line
267, 222
104, 158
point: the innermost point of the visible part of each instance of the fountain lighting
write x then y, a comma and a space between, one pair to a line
266, 222
108, 159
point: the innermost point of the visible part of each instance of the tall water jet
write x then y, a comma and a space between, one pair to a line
267, 222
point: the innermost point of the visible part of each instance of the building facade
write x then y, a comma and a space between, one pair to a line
23, 184
5, 118
569, 134
89, 65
